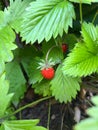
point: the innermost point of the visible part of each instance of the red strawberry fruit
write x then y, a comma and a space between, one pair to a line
64, 47
48, 73
46, 68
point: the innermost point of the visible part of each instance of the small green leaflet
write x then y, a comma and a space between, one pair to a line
83, 60
21, 125
44, 19
7, 37
4, 96
92, 122
33, 72
16, 80
63, 87
84, 1
42, 88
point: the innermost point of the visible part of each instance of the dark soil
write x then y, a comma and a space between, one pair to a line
61, 115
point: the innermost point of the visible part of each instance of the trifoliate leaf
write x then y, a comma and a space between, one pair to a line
63, 87
21, 125
44, 19
42, 88
4, 96
7, 37
17, 81
84, 1
83, 60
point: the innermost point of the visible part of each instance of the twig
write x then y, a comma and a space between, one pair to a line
49, 110
81, 15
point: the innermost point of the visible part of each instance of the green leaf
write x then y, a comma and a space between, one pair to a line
18, 8
15, 12
63, 87
45, 19
4, 19
17, 81
34, 73
89, 124
21, 125
92, 112
95, 100
7, 37
92, 122
84, 1
4, 96
29, 62
42, 88
83, 60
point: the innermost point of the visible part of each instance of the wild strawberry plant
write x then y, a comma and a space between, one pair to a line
49, 31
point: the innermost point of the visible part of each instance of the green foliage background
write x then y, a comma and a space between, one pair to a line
41, 25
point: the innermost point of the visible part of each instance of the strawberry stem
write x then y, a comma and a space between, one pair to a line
96, 14
47, 55
81, 15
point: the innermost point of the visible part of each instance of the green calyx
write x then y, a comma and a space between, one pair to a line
45, 64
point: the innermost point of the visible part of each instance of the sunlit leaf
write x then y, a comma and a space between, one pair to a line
21, 125
7, 37
63, 87
4, 96
45, 19
83, 60
13, 14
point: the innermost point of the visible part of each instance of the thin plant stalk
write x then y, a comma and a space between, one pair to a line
24, 107
49, 111
81, 15
96, 14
